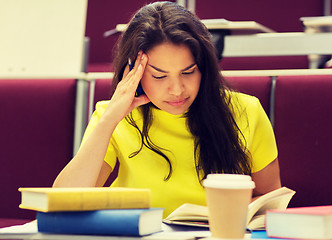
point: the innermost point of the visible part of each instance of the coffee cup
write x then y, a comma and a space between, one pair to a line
228, 197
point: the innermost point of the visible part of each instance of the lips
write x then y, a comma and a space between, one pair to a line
178, 102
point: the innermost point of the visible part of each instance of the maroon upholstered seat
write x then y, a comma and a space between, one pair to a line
259, 87
303, 131
103, 91
264, 63
36, 140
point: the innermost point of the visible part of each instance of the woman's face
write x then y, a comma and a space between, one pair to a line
171, 79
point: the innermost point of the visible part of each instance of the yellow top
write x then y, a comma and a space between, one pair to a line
148, 169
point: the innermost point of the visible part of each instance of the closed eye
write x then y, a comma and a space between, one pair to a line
190, 72
161, 77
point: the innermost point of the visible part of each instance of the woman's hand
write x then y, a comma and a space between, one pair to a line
123, 100
88, 168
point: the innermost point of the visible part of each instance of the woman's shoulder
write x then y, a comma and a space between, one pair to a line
242, 100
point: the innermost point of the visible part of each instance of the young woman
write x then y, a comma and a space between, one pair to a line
187, 123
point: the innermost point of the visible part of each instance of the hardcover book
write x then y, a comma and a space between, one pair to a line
303, 222
116, 222
83, 199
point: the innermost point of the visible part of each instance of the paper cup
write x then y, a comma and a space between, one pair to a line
228, 197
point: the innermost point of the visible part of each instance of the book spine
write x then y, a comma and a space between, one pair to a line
101, 222
99, 200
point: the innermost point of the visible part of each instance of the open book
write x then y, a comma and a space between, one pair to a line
196, 215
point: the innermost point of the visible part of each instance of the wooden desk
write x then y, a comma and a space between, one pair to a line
236, 27
171, 235
223, 24
313, 25
319, 23
220, 29
262, 41
176, 236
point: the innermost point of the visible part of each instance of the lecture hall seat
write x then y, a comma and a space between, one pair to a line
36, 140
258, 86
303, 130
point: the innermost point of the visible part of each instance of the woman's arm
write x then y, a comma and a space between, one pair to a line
267, 179
87, 168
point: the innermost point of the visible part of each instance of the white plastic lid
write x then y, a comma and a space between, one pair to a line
227, 176
229, 181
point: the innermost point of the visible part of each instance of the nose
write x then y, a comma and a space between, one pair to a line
176, 87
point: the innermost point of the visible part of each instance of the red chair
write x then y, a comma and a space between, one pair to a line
259, 87
103, 90
36, 140
303, 131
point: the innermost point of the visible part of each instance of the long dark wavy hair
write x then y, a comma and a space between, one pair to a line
218, 148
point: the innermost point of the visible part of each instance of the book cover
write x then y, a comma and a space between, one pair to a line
303, 222
115, 222
83, 199
196, 215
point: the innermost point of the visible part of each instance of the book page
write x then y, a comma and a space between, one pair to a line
189, 211
197, 215
277, 199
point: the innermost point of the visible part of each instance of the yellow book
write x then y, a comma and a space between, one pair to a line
84, 199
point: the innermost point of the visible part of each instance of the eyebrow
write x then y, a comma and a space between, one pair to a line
163, 71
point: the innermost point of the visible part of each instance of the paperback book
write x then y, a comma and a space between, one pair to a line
197, 215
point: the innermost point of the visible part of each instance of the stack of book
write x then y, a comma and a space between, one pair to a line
93, 211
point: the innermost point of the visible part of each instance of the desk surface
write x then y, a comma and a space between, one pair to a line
223, 24
317, 21
29, 231
239, 73
236, 26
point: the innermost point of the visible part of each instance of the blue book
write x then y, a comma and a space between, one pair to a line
116, 222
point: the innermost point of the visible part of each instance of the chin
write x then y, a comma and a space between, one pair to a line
175, 111
172, 110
